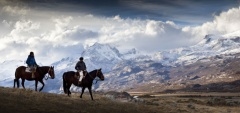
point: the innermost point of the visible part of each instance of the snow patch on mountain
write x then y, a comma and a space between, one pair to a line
101, 56
210, 46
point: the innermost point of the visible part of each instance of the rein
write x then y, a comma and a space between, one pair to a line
47, 73
46, 78
95, 77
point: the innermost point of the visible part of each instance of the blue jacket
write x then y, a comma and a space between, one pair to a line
31, 61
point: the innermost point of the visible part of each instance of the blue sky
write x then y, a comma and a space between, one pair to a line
57, 28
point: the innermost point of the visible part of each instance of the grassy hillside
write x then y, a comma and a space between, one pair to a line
29, 101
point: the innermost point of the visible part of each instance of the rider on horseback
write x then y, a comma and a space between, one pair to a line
31, 63
81, 69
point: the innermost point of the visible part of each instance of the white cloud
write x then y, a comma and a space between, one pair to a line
146, 35
154, 27
23, 30
61, 24
6, 23
15, 10
229, 21
224, 23
66, 34
56, 36
26, 25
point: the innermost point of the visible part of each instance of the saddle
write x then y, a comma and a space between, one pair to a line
77, 74
31, 70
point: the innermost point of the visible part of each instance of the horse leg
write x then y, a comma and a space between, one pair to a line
23, 80
17, 83
90, 91
68, 89
83, 88
42, 85
36, 83
15, 80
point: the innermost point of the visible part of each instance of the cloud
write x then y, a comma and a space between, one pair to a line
15, 10
145, 35
6, 23
224, 23
154, 28
54, 44
229, 21
23, 30
53, 34
66, 34
26, 25
3, 2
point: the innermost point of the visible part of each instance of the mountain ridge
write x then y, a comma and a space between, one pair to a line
126, 71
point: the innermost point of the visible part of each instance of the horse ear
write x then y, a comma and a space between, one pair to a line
100, 69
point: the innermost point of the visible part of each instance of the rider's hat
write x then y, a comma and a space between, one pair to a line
31, 53
81, 58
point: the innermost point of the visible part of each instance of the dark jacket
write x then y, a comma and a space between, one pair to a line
31, 61
80, 65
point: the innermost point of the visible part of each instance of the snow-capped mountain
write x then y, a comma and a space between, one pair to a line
126, 70
101, 56
210, 46
130, 73
7, 71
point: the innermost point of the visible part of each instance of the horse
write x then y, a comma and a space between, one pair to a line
39, 75
70, 78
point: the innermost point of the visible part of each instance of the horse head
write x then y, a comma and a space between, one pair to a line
51, 72
100, 74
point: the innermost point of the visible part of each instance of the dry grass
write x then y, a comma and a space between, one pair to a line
29, 101
194, 104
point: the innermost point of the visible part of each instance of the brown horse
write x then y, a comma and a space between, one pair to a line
70, 78
39, 75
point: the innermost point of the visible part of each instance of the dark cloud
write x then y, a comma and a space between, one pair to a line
185, 12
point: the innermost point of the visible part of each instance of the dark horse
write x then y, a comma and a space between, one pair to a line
70, 78
39, 75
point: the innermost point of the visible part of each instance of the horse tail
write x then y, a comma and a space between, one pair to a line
64, 83
16, 80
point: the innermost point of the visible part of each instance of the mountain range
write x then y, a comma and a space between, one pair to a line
211, 63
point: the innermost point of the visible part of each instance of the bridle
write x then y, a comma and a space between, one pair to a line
48, 73
95, 77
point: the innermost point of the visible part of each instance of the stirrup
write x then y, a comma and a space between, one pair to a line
33, 76
79, 82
